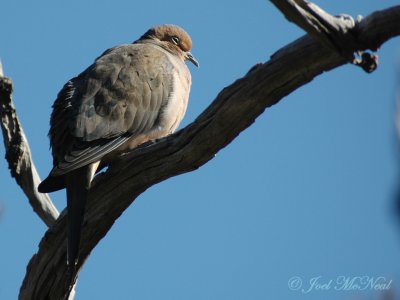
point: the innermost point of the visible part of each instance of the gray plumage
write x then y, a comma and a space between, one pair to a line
131, 94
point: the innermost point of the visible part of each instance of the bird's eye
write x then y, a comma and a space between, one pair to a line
175, 40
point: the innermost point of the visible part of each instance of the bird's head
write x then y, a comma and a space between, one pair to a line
173, 39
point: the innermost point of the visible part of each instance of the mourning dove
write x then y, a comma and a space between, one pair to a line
131, 94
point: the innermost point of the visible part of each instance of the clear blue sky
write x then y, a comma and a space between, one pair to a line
307, 191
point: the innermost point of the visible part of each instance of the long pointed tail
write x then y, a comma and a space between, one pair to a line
77, 184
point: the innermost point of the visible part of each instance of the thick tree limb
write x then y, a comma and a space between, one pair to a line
235, 108
379, 27
18, 155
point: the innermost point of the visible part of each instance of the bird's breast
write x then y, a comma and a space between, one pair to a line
175, 106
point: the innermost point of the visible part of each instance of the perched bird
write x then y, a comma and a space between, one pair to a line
131, 94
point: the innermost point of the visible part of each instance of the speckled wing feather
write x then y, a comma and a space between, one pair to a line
121, 95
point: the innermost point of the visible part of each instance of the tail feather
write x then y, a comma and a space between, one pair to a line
77, 184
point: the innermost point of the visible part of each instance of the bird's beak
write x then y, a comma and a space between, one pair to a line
191, 58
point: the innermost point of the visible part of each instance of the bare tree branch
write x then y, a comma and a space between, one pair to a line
235, 108
18, 155
340, 33
378, 28
333, 32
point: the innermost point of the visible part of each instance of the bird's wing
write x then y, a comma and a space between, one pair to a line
120, 96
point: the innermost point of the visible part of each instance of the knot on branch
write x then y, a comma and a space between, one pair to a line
367, 61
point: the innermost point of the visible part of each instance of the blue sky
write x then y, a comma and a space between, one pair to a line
307, 191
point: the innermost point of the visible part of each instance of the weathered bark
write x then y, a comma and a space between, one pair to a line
342, 33
333, 32
18, 155
235, 108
